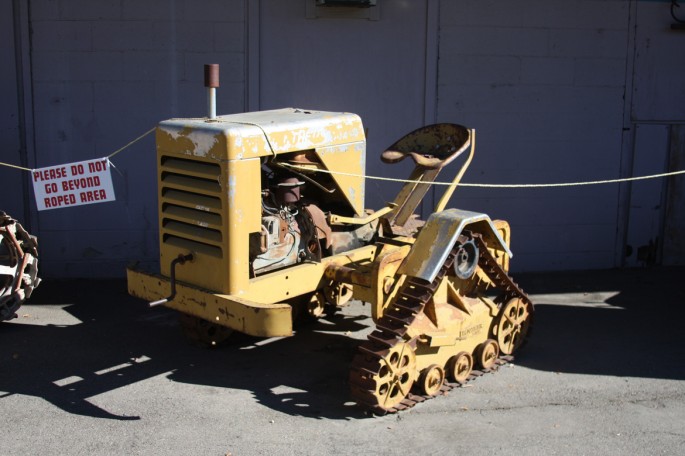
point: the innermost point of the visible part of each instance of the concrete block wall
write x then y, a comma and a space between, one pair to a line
659, 88
657, 116
555, 91
104, 72
11, 200
543, 84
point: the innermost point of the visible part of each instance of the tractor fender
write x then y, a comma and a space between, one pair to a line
438, 236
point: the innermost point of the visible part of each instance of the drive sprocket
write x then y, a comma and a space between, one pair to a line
512, 324
393, 375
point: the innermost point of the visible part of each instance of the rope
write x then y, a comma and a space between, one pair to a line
563, 184
108, 156
132, 142
266, 136
15, 166
392, 179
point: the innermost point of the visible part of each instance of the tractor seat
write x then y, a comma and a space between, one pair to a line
432, 146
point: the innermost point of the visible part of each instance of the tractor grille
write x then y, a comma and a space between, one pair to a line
191, 206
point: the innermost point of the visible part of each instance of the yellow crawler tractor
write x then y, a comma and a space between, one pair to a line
261, 217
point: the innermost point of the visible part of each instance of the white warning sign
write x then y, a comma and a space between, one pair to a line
73, 184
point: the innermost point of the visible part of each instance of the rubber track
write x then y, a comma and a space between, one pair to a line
393, 325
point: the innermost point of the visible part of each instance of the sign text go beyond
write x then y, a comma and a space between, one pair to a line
73, 184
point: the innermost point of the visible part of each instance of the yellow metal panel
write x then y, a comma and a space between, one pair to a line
193, 211
259, 134
185, 137
261, 320
448, 331
289, 130
301, 279
286, 283
439, 235
244, 217
210, 187
385, 278
349, 159
504, 231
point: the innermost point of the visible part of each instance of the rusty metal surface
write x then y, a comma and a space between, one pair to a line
370, 386
411, 195
212, 75
260, 233
437, 238
248, 317
432, 146
318, 220
18, 266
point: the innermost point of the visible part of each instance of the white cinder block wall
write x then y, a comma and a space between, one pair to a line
105, 72
557, 91
11, 179
543, 84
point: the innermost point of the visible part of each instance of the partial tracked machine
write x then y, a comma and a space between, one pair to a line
18, 266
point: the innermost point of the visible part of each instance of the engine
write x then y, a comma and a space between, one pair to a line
293, 229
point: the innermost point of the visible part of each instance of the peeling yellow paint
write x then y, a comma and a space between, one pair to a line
222, 159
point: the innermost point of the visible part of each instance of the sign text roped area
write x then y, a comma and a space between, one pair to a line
73, 184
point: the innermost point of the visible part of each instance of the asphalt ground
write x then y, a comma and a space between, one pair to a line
88, 370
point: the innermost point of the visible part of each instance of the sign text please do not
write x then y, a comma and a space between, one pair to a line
73, 184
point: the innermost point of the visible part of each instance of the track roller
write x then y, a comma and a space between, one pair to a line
459, 367
431, 380
487, 353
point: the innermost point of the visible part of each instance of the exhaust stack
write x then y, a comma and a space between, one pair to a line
211, 82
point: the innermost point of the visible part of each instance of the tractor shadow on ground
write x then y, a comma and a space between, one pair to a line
624, 323
616, 323
304, 375
117, 340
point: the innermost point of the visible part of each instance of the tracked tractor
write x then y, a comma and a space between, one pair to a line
262, 217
